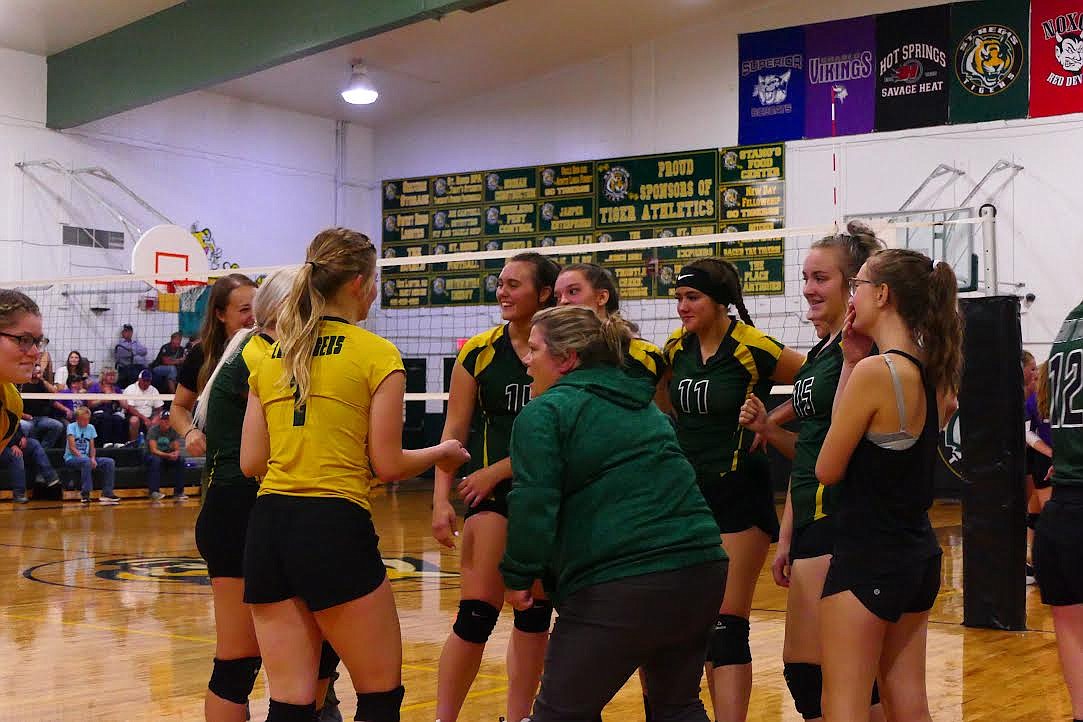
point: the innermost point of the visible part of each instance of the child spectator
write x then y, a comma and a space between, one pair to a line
108, 416
65, 410
80, 454
38, 422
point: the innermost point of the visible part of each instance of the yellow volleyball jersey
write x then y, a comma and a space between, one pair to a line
321, 448
11, 410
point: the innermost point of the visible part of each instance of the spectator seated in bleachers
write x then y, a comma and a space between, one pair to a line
81, 454
38, 422
108, 417
144, 403
130, 355
19, 455
163, 452
76, 366
167, 363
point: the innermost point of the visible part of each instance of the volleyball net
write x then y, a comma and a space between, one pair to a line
429, 304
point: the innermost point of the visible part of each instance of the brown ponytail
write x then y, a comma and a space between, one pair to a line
926, 297
854, 247
212, 336
335, 257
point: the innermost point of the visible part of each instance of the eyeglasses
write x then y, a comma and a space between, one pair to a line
855, 282
25, 341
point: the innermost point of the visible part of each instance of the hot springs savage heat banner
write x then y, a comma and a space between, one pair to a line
772, 85
840, 77
989, 48
1056, 63
912, 68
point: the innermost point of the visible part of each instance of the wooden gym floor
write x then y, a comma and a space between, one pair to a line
107, 616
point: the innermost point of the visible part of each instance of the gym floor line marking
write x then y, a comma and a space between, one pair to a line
479, 675
472, 694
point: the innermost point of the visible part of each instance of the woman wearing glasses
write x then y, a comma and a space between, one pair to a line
807, 536
884, 574
20, 341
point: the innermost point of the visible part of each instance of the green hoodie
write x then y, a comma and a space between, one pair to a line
601, 489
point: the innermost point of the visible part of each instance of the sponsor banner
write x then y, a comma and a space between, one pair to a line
406, 193
406, 225
510, 219
840, 77
989, 43
514, 184
404, 291
504, 244
685, 253
458, 188
636, 281
456, 222
576, 239
443, 247
675, 187
762, 276
455, 289
912, 68
1056, 57
742, 250
771, 85
569, 179
566, 215
405, 250
748, 164
751, 201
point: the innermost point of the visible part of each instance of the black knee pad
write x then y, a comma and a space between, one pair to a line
232, 679
536, 619
475, 621
380, 706
875, 694
806, 682
729, 642
328, 660
283, 712
1032, 520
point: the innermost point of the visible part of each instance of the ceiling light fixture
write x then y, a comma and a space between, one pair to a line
360, 90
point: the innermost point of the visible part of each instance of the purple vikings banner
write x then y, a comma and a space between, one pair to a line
772, 86
840, 70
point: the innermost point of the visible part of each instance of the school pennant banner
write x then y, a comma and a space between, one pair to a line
771, 86
912, 68
1056, 63
840, 77
989, 61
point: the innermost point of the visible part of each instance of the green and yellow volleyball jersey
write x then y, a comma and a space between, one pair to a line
11, 411
1065, 368
644, 360
321, 449
503, 389
708, 396
813, 396
225, 413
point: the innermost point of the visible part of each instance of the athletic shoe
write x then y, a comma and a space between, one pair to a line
109, 499
1030, 576
180, 499
84, 499
52, 482
21, 499
156, 496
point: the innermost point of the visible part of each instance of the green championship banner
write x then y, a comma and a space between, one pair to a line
515, 184
990, 41
407, 193
572, 179
674, 187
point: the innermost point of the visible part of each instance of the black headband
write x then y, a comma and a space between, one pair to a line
700, 280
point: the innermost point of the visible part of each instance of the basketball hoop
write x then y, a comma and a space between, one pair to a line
170, 292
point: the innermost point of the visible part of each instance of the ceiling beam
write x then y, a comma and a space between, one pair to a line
201, 43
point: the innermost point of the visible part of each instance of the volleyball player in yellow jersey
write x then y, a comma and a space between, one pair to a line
20, 341
323, 407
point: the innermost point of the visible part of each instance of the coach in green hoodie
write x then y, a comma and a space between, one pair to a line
604, 507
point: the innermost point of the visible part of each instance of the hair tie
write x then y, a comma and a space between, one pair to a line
313, 264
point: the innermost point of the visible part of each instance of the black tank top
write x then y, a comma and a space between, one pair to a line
886, 494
